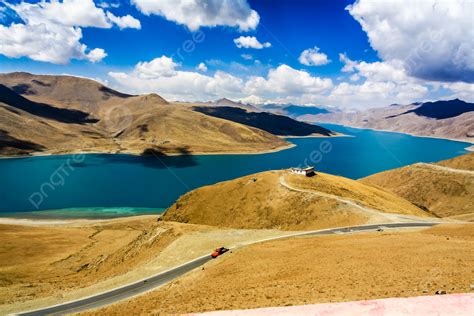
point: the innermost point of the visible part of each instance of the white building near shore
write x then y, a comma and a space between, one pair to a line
308, 171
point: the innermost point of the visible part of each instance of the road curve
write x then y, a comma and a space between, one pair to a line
157, 280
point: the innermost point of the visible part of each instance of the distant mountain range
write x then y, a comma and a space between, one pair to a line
227, 102
64, 114
453, 119
291, 110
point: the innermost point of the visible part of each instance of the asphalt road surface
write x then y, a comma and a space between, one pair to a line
155, 281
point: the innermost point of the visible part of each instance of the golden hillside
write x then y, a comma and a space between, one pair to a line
277, 199
445, 189
464, 162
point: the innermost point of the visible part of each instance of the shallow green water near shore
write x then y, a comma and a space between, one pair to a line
85, 212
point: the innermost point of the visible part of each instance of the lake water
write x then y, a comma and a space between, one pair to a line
92, 186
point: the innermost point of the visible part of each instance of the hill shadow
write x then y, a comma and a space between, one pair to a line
113, 93
8, 141
153, 158
156, 158
440, 110
47, 111
23, 88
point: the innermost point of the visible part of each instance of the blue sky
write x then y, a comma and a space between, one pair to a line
358, 53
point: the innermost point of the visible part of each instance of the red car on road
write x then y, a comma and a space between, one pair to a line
219, 251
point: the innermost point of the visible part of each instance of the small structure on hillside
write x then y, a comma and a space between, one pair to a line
308, 171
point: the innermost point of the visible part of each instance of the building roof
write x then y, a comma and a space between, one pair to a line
303, 169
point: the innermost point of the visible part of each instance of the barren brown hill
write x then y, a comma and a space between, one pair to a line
64, 91
445, 119
445, 189
321, 269
277, 199
63, 114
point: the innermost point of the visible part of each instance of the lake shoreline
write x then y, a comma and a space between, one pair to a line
317, 136
470, 148
139, 154
69, 222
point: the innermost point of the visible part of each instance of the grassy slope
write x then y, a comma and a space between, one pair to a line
42, 264
441, 192
265, 203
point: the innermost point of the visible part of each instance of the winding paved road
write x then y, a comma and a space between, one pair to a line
157, 280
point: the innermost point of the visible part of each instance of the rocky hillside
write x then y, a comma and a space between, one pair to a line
452, 119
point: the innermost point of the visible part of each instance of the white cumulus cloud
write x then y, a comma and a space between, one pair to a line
158, 67
80, 13
97, 54
250, 42
202, 67
376, 71
203, 13
375, 94
460, 90
383, 83
286, 81
52, 31
433, 40
162, 76
124, 22
313, 57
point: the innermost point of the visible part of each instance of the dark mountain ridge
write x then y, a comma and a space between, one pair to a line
440, 109
272, 123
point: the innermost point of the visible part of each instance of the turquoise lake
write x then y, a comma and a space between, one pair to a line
102, 186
